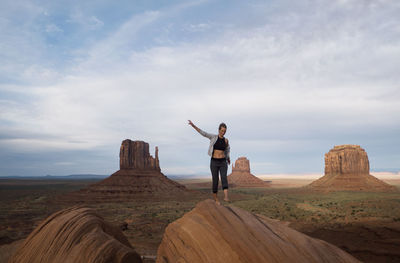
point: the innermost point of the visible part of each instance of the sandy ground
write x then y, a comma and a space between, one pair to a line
286, 181
275, 182
289, 183
392, 181
378, 241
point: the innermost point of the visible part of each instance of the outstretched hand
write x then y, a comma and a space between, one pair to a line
191, 123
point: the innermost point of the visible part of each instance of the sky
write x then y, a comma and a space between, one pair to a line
291, 79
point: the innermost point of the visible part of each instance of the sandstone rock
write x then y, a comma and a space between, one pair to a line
75, 234
139, 177
123, 226
242, 164
130, 183
241, 176
135, 155
216, 233
7, 250
347, 168
347, 159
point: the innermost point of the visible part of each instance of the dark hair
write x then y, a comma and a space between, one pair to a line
222, 125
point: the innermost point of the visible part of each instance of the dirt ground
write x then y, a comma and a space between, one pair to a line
367, 225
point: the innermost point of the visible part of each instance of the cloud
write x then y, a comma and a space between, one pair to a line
85, 21
289, 86
201, 27
52, 28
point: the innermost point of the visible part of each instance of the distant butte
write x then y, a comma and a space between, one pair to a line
241, 176
347, 169
139, 176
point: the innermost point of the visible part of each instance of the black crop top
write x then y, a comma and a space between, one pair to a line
220, 144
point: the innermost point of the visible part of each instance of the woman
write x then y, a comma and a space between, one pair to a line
219, 150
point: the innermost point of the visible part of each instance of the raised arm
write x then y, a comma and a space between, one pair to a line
205, 134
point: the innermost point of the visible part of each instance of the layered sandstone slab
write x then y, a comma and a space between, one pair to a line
241, 176
216, 233
347, 169
139, 177
77, 235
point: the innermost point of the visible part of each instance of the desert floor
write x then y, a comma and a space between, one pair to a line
367, 225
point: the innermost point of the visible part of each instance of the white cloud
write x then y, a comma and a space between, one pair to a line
52, 28
83, 20
277, 85
201, 27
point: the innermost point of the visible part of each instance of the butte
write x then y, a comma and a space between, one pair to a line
241, 176
139, 177
347, 169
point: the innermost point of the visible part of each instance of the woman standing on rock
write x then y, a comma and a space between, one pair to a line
219, 151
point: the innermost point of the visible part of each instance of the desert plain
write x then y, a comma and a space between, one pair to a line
365, 224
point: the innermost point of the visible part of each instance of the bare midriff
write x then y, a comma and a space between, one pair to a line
218, 154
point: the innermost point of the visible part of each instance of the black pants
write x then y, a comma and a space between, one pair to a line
221, 166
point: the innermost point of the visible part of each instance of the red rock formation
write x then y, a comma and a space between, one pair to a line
242, 164
75, 234
241, 176
347, 168
216, 233
347, 159
139, 177
135, 155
